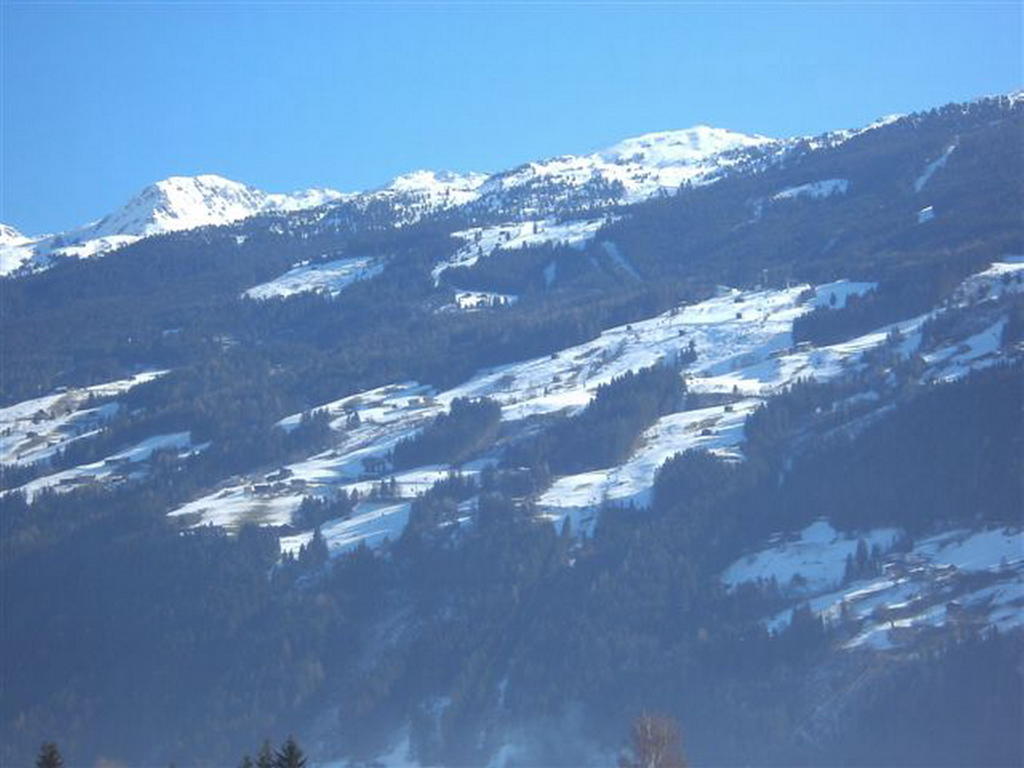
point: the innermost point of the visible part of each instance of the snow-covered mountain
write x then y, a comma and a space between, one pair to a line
10, 236
644, 165
171, 205
627, 172
179, 202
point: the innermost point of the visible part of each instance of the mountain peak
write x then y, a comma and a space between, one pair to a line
170, 205
680, 147
10, 236
179, 202
425, 180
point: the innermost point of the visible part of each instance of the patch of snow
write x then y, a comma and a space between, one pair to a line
927, 588
974, 550
473, 300
971, 354
328, 277
34, 430
617, 256
1002, 277
835, 295
11, 236
371, 524
483, 242
718, 429
932, 167
123, 464
815, 189
811, 564
550, 274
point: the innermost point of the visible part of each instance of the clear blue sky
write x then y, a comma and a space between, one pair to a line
100, 99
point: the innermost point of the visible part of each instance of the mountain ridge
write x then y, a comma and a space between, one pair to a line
635, 168
632, 170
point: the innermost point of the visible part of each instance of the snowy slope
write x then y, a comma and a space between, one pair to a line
484, 242
814, 189
122, 465
573, 186
171, 205
958, 577
744, 350
327, 277
632, 170
35, 429
535, 388
10, 236
15, 249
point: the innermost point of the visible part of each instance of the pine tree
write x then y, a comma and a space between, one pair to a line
247, 763
265, 757
49, 756
289, 756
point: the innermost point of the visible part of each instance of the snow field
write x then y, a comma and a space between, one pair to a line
328, 277
371, 525
914, 593
815, 189
483, 242
34, 430
811, 564
123, 464
744, 348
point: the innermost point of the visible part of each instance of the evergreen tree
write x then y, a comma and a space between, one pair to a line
290, 755
49, 756
265, 757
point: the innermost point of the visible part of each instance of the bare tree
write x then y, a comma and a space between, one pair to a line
655, 743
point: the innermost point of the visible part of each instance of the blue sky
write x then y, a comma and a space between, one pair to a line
102, 98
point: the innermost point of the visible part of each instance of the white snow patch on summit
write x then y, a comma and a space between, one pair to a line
171, 205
